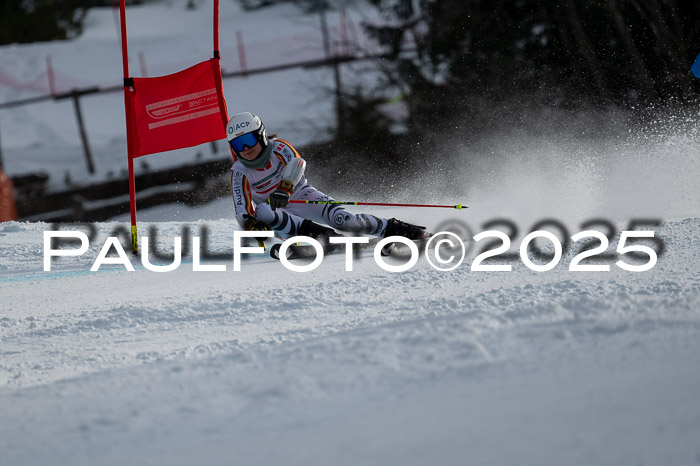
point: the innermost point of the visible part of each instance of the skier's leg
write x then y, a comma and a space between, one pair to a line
334, 215
285, 223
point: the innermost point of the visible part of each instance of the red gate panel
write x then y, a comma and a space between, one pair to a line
179, 110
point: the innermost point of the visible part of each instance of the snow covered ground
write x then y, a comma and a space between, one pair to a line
267, 366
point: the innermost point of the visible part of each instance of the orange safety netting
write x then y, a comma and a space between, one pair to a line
8, 209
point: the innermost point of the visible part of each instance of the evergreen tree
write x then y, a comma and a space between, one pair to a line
565, 52
24, 21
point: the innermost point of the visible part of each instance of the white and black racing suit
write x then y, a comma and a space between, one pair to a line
252, 187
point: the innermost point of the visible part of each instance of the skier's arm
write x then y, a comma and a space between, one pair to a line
291, 175
243, 203
293, 172
242, 198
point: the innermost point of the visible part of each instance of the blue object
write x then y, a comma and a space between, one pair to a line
248, 139
696, 67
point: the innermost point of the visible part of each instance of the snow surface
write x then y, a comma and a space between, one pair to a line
266, 366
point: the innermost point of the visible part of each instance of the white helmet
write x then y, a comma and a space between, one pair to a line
246, 129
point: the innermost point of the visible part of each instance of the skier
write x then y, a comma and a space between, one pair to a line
268, 172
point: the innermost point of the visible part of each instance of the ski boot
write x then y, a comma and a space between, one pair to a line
395, 227
315, 231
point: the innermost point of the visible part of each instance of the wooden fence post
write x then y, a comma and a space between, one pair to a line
241, 52
75, 95
50, 75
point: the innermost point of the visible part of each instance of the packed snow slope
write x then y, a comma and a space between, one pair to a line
268, 366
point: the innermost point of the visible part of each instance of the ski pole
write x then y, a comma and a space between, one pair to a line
458, 206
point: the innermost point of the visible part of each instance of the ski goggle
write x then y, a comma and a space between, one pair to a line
248, 139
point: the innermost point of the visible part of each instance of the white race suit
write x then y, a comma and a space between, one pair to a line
251, 188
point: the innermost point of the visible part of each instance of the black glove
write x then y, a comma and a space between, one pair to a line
252, 224
280, 197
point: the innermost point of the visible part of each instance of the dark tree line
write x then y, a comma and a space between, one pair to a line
23, 21
560, 52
